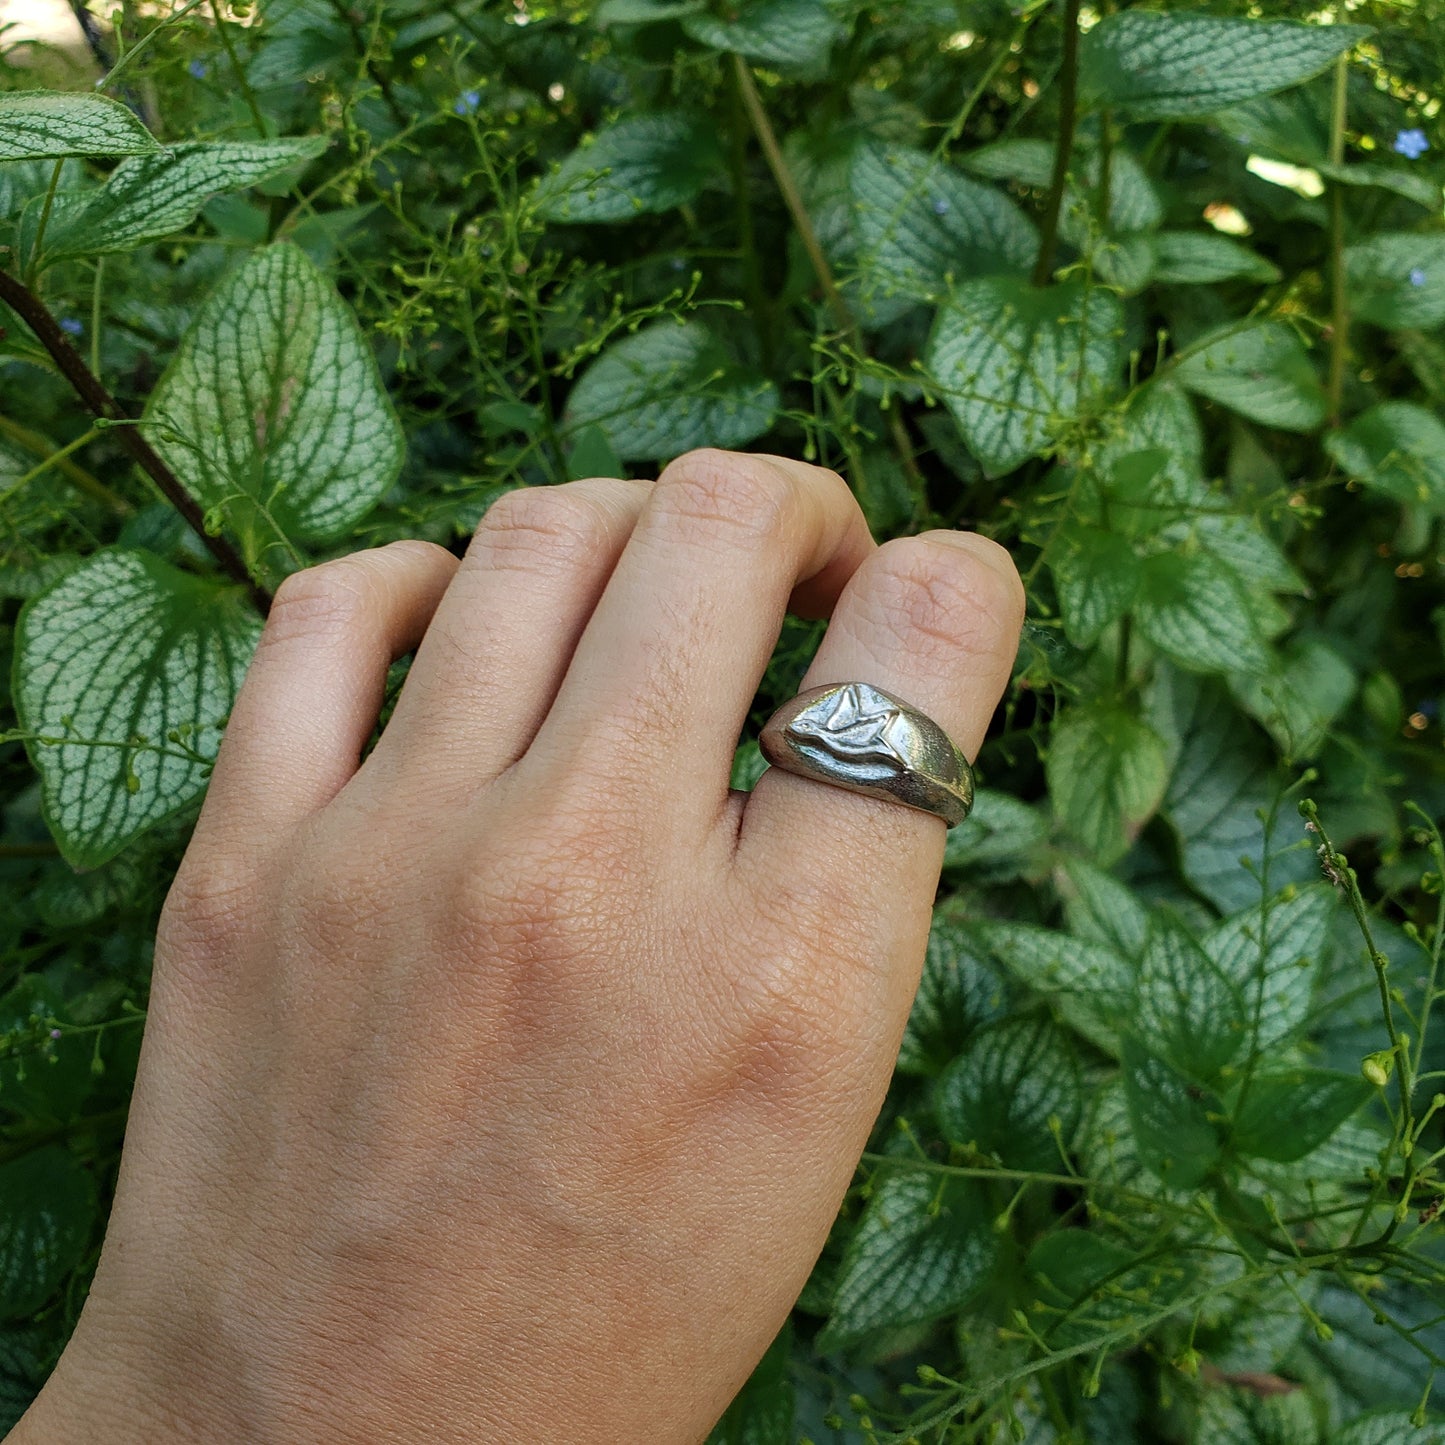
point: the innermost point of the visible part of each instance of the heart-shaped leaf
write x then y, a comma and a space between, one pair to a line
125, 672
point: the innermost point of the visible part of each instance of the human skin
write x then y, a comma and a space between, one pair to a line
503, 1087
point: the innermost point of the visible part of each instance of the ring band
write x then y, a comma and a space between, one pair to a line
858, 737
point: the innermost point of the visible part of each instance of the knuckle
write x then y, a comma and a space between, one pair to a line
708, 491
921, 589
534, 921
339, 896
320, 600
211, 902
791, 1036
538, 530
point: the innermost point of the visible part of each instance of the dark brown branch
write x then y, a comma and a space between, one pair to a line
33, 311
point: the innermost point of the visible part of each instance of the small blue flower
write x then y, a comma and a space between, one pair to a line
467, 102
940, 207
197, 69
71, 327
1411, 144
1417, 276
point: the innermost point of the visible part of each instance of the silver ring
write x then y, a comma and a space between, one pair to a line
858, 737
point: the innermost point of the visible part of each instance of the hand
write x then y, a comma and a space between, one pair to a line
503, 1087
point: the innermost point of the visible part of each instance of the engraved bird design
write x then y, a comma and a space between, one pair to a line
858, 725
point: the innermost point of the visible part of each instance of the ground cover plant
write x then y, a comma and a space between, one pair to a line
1155, 297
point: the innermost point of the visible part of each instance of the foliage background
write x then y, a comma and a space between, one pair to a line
1155, 298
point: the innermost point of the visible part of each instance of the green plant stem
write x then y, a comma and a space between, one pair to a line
97, 293
747, 232
76, 475
798, 210
990, 74
792, 197
1103, 201
145, 40
1404, 1064
363, 52
53, 460
32, 269
1437, 944
1068, 117
1339, 297
103, 405
249, 95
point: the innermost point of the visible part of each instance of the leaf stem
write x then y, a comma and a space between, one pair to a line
33, 311
1339, 302
75, 474
32, 266
1068, 116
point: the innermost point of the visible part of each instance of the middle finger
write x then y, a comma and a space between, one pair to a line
659, 686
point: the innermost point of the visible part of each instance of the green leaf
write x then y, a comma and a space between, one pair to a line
50, 1085
1107, 771
639, 166
1005, 1087
1273, 955
1239, 541
1090, 984
1093, 1286
1029, 162
109, 662
38, 124
1156, 66
923, 1249
1397, 280
1222, 781
1193, 258
668, 389
1422, 190
1187, 1009
273, 414
1239, 1415
1285, 1115
1195, 608
958, 994
1397, 448
1159, 418
47, 1213
591, 455
1134, 204
1101, 909
998, 838
1261, 371
1173, 1120
645, 12
920, 224
1388, 1427
1017, 364
772, 32
1097, 576
1300, 697
26, 1353
152, 196
762, 1411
